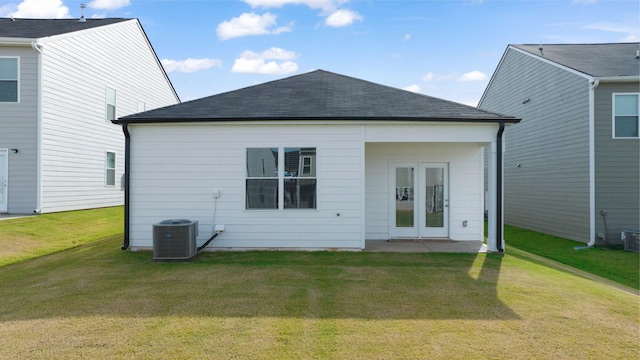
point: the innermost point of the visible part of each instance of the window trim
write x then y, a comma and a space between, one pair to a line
107, 168
281, 179
613, 115
17, 80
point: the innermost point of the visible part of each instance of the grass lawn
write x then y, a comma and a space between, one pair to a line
34, 236
96, 301
613, 264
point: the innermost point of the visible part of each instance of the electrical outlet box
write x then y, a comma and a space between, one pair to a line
216, 194
219, 228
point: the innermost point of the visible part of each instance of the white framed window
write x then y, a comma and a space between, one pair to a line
110, 169
111, 104
626, 111
281, 178
9, 79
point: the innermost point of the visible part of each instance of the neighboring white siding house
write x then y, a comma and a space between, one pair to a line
567, 172
63, 152
301, 163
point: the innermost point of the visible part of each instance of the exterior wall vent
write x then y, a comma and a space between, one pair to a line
175, 239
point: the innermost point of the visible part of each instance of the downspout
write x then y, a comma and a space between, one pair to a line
592, 164
499, 226
37, 47
127, 177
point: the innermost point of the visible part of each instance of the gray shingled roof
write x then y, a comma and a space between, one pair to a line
39, 28
598, 60
317, 95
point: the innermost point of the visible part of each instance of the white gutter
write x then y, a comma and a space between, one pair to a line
16, 41
592, 163
37, 47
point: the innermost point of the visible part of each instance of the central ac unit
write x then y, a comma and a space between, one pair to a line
175, 239
631, 240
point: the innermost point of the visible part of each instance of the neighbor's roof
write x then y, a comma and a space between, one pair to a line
317, 95
39, 28
597, 60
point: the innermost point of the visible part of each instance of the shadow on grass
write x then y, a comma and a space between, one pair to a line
99, 279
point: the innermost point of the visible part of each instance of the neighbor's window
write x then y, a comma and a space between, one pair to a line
625, 115
281, 178
110, 169
9, 79
111, 104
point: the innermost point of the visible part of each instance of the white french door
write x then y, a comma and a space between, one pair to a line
4, 181
419, 200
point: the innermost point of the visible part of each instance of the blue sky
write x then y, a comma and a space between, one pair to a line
446, 49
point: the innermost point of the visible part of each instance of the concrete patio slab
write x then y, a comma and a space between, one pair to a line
425, 246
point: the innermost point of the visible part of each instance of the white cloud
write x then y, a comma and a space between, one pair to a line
189, 65
39, 9
108, 4
406, 37
631, 33
437, 77
413, 88
342, 17
249, 24
325, 5
271, 61
473, 76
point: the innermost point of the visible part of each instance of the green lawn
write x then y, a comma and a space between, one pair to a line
34, 236
96, 301
611, 263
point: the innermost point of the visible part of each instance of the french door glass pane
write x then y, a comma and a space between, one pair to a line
404, 196
434, 204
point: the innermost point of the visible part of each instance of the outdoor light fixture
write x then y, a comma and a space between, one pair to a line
526, 100
15, 151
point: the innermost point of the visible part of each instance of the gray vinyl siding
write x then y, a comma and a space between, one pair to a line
19, 130
549, 191
617, 161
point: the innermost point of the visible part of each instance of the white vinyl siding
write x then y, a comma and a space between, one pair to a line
74, 131
626, 119
205, 158
9, 79
19, 130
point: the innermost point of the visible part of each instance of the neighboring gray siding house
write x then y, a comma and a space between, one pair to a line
572, 166
313, 161
61, 82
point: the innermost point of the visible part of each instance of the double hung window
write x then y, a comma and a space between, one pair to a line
281, 178
110, 169
111, 104
626, 111
9, 79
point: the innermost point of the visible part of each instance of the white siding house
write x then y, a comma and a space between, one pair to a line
310, 162
58, 146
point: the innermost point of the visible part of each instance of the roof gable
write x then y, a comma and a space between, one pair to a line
317, 95
39, 28
597, 60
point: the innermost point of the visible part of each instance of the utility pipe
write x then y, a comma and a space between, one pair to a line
127, 177
499, 226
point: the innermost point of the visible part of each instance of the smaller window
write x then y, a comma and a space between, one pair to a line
111, 104
9, 79
626, 111
110, 169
